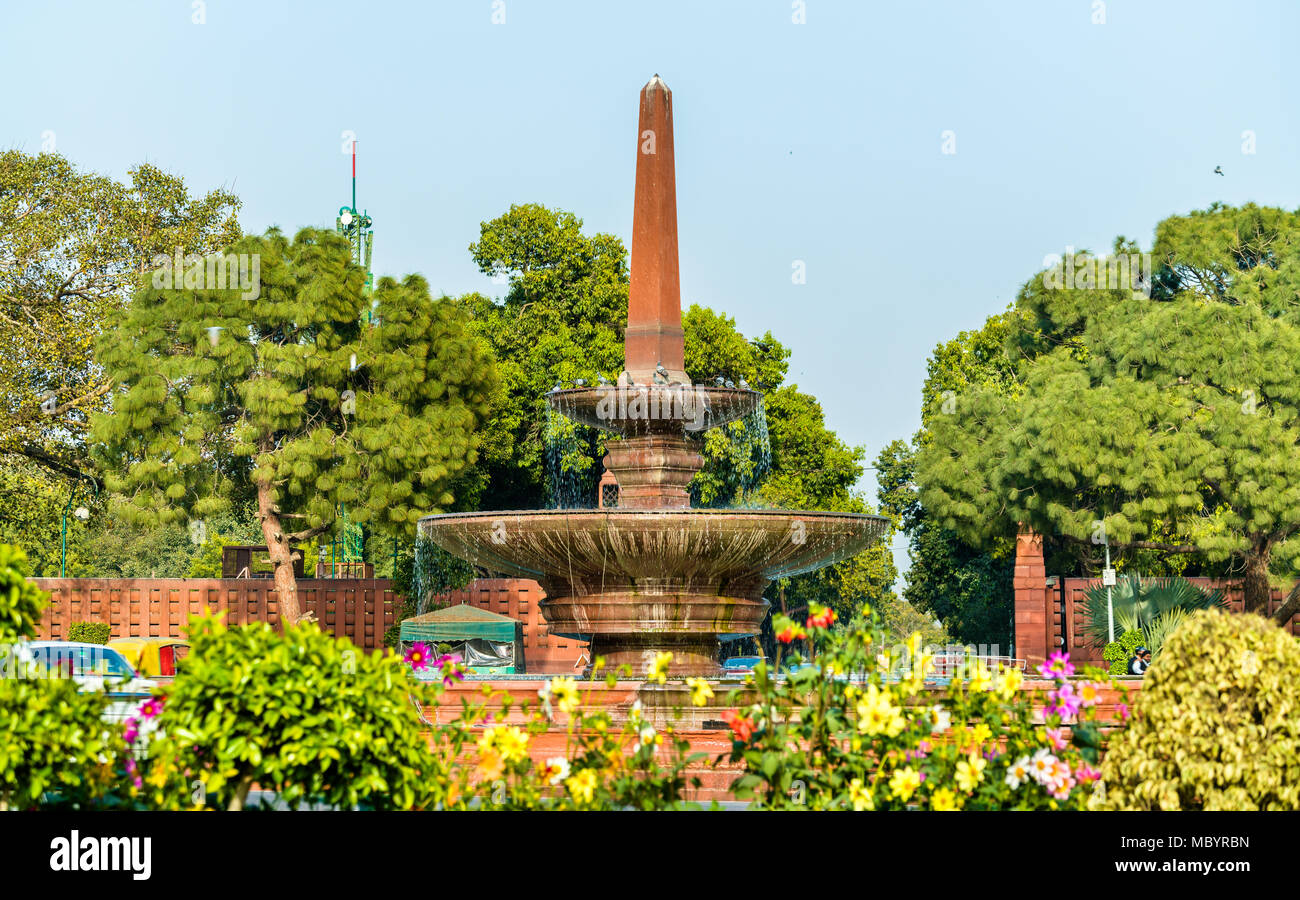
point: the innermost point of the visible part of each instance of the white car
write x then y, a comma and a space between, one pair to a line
93, 667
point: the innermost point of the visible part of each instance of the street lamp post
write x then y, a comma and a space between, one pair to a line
83, 514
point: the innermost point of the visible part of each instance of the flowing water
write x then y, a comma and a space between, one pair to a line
572, 467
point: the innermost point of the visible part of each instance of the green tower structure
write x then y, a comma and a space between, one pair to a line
349, 544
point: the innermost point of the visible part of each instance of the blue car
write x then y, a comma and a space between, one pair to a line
739, 665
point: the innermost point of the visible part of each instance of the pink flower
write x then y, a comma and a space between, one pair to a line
1056, 736
418, 656
1086, 773
151, 707
1059, 782
1089, 693
132, 730
452, 675
1058, 666
1121, 710
1063, 701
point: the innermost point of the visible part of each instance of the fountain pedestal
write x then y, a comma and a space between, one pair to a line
653, 471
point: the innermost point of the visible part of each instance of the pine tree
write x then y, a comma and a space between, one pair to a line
1168, 422
294, 387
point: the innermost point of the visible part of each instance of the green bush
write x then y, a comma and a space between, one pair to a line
310, 717
1118, 653
21, 601
90, 632
55, 749
1217, 724
1153, 606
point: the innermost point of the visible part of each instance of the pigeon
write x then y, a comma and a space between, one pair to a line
661, 374
602, 379
719, 381
559, 386
580, 382
744, 385
1218, 170
730, 383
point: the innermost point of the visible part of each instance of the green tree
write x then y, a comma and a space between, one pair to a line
286, 390
561, 319
969, 590
33, 502
1172, 422
72, 248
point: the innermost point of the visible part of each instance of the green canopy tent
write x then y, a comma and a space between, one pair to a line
490, 644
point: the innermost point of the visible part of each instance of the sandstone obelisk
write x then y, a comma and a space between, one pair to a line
654, 309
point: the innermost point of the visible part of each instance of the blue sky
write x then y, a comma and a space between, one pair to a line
820, 142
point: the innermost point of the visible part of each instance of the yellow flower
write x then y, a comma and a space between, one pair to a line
1009, 683
904, 782
981, 733
970, 772
914, 644
490, 764
582, 786
701, 693
565, 692
860, 797
943, 800
508, 740
980, 678
659, 671
877, 715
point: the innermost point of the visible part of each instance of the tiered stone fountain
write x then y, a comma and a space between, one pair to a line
653, 574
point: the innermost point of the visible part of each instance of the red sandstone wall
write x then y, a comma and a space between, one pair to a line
1035, 636
1049, 618
360, 609
1072, 613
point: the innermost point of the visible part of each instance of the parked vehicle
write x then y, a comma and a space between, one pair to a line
94, 667
158, 658
739, 665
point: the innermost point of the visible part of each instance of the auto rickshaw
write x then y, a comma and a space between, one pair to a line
153, 657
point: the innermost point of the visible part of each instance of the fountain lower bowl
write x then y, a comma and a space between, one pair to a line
638, 582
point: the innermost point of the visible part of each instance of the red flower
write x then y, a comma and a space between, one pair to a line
823, 619
741, 726
790, 634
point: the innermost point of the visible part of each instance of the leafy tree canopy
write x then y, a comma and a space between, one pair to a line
72, 248
1172, 419
286, 390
